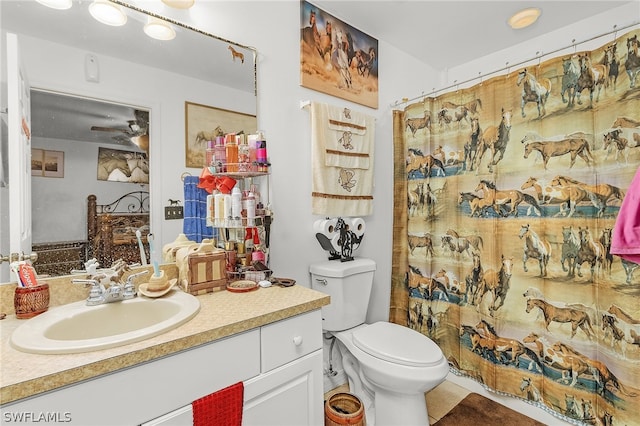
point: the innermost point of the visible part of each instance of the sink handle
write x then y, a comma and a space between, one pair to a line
96, 294
85, 282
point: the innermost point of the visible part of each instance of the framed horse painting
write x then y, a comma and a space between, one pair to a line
336, 58
203, 123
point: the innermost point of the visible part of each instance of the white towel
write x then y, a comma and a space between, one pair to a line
342, 161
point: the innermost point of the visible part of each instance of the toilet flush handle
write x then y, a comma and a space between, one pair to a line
321, 281
297, 340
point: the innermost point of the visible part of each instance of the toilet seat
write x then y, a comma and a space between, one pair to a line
397, 344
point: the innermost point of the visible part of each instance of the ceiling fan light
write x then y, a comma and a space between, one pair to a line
524, 18
108, 13
159, 29
179, 4
56, 4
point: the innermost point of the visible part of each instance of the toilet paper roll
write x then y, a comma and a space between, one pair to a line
357, 225
326, 227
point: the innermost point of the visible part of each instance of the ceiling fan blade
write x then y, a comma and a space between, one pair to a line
108, 129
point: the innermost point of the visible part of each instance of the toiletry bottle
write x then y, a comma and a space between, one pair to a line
227, 210
232, 152
219, 209
211, 209
250, 206
253, 159
221, 155
243, 154
248, 242
236, 206
210, 156
261, 152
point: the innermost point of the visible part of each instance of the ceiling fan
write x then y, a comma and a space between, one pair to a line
138, 131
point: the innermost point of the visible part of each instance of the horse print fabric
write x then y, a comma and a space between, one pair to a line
506, 196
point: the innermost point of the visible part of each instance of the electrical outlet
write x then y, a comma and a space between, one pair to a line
173, 212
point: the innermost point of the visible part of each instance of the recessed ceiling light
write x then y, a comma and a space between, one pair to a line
159, 29
56, 4
524, 18
179, 4
108, 13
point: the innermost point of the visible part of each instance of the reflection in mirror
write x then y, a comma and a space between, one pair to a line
100, 141
133, 78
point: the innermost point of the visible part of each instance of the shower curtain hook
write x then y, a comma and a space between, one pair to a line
615, 32
573, 42
480, 76
506, 64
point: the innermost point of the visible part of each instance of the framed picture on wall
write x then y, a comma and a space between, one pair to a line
336, 58
203, 123
122, 166
47, 163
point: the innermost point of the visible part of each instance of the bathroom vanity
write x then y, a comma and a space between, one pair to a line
269, 339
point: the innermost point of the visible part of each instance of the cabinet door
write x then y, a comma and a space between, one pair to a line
288, 395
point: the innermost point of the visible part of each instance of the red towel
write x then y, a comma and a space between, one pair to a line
222, 408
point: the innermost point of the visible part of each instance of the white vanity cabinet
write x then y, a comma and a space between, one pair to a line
280, 365
289, 389
134, 395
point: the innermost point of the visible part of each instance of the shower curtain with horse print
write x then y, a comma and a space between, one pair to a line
506, 195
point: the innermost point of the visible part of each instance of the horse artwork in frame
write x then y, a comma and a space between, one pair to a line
336, 58
203, 123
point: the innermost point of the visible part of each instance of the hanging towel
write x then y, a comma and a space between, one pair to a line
222, 408
195, 211
625, 238
342, 161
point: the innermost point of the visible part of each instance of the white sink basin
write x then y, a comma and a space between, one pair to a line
76, 328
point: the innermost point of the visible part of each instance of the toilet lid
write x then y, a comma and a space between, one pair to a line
395, 343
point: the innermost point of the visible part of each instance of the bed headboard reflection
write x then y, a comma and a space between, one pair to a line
111, 228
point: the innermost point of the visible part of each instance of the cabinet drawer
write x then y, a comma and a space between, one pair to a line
286, 340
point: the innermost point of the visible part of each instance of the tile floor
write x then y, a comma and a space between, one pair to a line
439, 400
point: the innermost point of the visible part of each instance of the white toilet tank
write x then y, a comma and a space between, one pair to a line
349, 285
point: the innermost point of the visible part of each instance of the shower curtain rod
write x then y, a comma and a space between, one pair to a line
509, 66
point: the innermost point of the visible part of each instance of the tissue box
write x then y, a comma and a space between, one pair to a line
206, 272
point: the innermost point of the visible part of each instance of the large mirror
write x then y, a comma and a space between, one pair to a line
96, 88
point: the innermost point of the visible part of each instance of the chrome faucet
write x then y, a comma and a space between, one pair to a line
99, 294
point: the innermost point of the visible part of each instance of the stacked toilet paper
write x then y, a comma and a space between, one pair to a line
328, 228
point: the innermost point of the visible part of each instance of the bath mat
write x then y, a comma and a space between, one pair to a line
477, 410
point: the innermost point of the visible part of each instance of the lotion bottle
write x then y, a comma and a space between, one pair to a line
232, 152
236, 206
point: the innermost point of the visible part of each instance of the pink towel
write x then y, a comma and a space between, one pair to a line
625, 239
222, 408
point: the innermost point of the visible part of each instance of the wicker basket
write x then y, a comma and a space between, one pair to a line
344, 409
31, 301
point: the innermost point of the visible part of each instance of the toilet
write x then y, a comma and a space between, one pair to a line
389, 367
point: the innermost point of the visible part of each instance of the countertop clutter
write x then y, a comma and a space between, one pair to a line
222, 314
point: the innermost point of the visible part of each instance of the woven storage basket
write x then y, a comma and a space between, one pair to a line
344, 409
31, 301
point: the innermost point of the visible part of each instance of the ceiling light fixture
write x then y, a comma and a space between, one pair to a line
159, 29
108, 13
524, 18
179, 4
56, 4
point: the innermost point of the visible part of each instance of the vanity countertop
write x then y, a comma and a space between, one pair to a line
222, 314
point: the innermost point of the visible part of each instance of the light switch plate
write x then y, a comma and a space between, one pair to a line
173, 212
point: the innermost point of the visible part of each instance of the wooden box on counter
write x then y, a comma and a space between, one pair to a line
206, 272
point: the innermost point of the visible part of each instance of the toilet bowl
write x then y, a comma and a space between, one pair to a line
394, 366
389, 367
